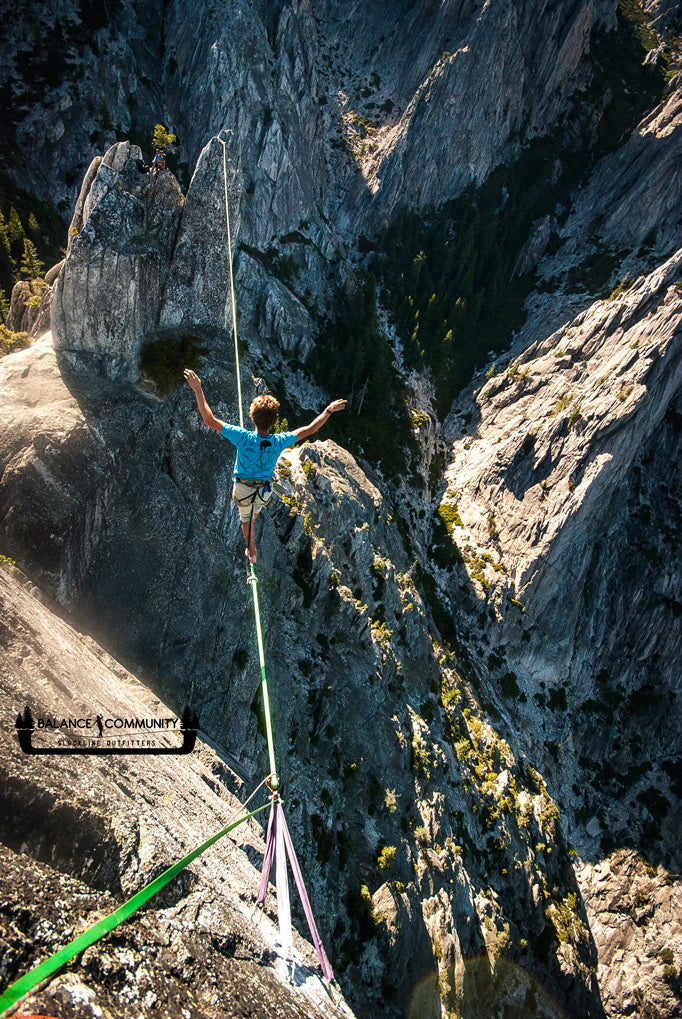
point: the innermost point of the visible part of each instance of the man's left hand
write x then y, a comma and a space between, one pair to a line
193, 380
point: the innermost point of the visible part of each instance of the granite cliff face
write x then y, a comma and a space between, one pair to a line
381, 747
474, 664
372, 100
578, 437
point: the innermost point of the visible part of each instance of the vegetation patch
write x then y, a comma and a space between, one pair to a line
323, 837
622, 288
30, 233
352, 358
364, 921
444, 548
631, 87
163, 359
449, 514
561, 405
418, 418
565, 918
574, 416
448, 277
557, 699
451, 277
386, 857
509, 685
10, 342
594, 272
633, 13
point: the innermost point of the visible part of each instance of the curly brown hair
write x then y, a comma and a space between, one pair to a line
264, 411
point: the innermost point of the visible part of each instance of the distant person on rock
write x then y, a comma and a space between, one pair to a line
159, 162
257, 452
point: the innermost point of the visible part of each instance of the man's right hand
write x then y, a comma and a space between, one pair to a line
336, 405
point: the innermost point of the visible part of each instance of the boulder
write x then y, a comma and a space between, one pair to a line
29, 310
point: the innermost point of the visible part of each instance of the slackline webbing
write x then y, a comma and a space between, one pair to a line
20, 988
278, 844
253, 580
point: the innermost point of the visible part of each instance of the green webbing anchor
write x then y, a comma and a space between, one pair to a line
25, 985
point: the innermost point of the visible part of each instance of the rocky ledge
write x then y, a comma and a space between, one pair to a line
118, 821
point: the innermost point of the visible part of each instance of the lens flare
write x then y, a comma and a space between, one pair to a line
481, 989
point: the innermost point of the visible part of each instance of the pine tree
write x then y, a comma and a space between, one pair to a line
4, 234
418, 261
31, 267
7, 264
15, 232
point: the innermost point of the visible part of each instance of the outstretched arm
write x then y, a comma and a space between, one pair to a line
321, 419
207, 415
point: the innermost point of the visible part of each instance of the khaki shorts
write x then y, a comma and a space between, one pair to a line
250, 497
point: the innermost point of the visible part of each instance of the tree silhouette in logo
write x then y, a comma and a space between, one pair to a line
189, 723
25, 729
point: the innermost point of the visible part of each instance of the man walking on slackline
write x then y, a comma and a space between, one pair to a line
257, 452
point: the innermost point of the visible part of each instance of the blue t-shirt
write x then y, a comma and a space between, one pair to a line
256, 454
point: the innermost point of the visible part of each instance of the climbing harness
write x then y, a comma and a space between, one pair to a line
261, 490
278, 844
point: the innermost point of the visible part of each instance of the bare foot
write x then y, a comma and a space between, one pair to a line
251, 554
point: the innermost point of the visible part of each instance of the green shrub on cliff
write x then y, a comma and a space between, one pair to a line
162, 138
386, 857
10, 342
